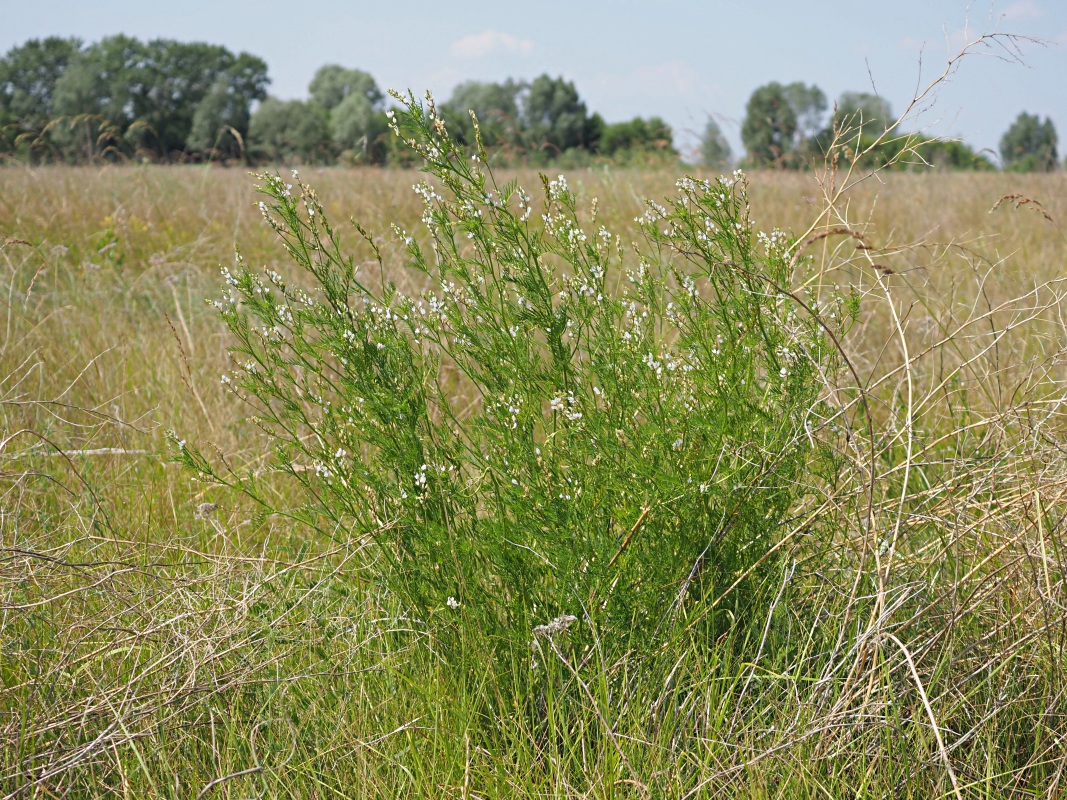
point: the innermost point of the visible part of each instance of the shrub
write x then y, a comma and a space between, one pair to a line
553, 426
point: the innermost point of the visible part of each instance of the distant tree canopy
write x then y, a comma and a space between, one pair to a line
343, 118
496, 106
1029, 145
171, 101
541, 120
164, 100
28, 77
220, 122
769, 127
785, 127
913, 151
333, 84
555, 119
639, 137
289, 130
714, 149
809, 107
862, 113
123, 96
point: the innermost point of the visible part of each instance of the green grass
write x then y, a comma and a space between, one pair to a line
148, 651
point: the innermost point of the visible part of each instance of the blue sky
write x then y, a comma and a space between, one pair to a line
682, 61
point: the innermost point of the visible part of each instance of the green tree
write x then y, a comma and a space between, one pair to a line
866, 113
1029, 145
176, 79
356, 128
769, 127
28, 76
351, 103
495, 104
333, 84
714, 149
145, 97
952, 155
291, 130
809, 107
220, 122
167, 86
908, 151
94, 100
555, 119
638, 135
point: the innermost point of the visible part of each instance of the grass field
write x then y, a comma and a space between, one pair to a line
162, 638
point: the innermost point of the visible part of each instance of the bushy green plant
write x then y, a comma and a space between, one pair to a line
555, 426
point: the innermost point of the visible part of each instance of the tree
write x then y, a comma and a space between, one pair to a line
333, 84
714, 149
145, 97
290, 130
636, 136
495, 104
1029, 145
809, 106
93, 103
356, 127
863, 112
178, 77
555, 119
351, 102
28, 76
769, 126
951, 155
220, 122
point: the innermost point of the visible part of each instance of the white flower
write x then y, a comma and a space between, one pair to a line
557, 626
452, 602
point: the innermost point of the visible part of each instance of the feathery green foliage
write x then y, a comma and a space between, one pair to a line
638, 438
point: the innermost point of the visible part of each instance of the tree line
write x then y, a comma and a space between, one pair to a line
790, 126
169, 101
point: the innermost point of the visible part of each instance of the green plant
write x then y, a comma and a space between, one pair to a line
540, 432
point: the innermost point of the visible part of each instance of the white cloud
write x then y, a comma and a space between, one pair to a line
1022, 9
488, 43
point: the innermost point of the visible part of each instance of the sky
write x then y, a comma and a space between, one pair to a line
682, 61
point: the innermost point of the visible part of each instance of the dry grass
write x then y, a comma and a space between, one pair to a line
151, 646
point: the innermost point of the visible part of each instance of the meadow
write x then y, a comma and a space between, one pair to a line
163, 637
